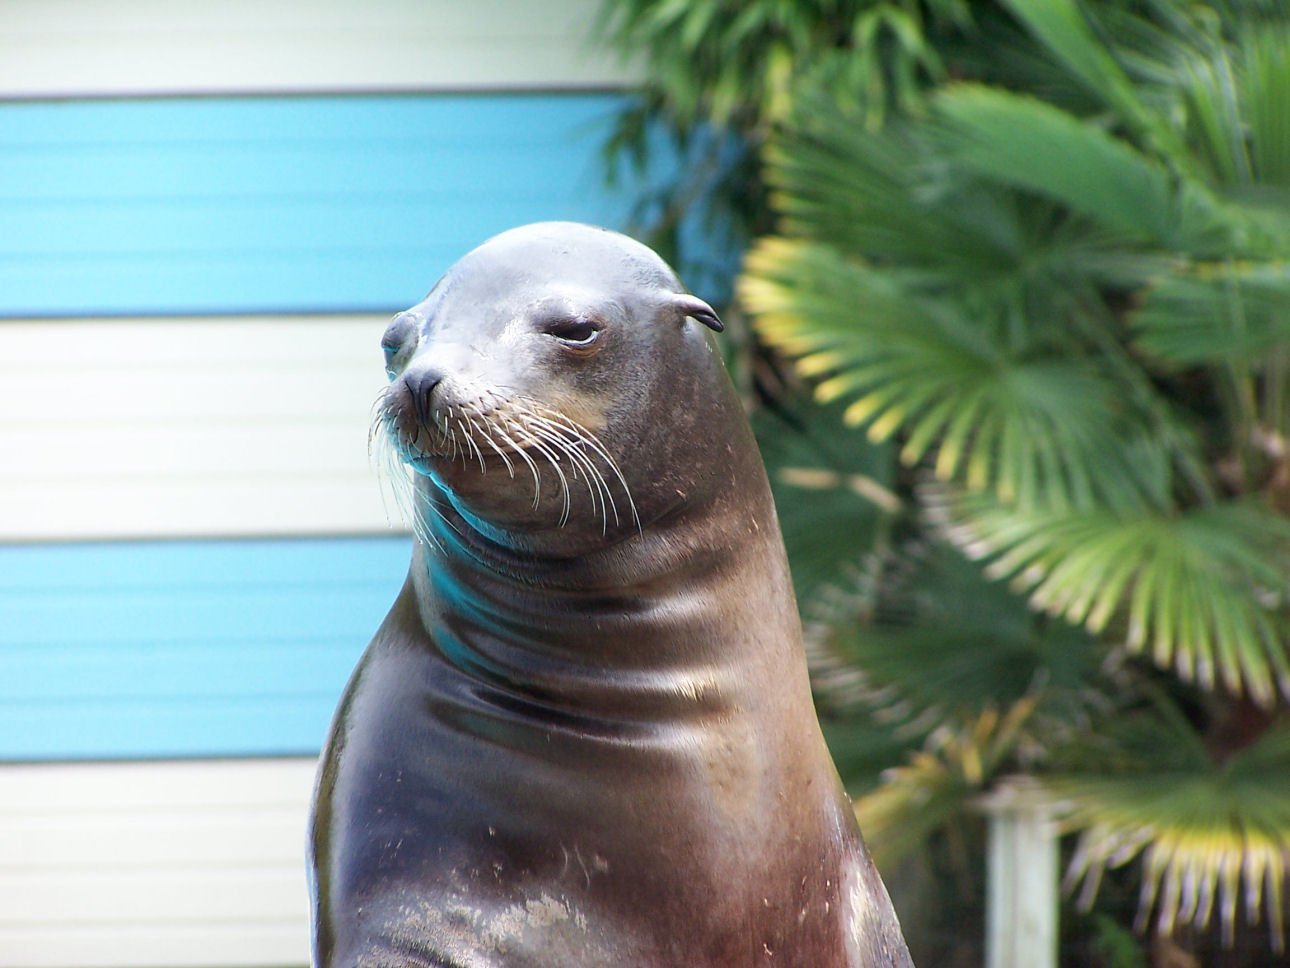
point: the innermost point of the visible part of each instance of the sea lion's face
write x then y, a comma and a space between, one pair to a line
523, 384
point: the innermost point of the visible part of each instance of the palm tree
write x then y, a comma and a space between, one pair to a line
1066, 305
1033, 267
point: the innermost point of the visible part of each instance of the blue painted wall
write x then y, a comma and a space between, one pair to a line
171, 649
280, 204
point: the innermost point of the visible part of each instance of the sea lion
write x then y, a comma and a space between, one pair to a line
583, 737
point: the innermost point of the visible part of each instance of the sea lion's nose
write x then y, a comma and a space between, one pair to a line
440, 375
421, 377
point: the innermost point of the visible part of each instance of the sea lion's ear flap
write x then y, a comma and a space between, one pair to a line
695, 307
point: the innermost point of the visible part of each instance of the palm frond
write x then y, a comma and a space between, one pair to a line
833, 492
897, 198
1226, 87
1207, 84
920, 640
868, 193
1216, 313
1203, 590
1264, 78
1208, 835
1062, 27
739, 64
937, 783
1020, 141
1040, 424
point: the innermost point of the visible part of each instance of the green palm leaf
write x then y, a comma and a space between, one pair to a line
1207, 834
1216, 313
1203, 590
920, 639
946, 678
893, 197
1020, 141
833, 493
1263, 74
1208, 86
1061, 26
863, 191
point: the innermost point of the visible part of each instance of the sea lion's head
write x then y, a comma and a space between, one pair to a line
557, 377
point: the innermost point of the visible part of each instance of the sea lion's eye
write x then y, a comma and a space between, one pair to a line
574, 332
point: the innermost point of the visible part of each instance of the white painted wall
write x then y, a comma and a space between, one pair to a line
154, 864
65, 48
130, 428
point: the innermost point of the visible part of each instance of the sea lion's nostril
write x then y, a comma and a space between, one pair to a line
421, 381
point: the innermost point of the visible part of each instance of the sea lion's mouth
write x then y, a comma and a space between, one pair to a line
512, 434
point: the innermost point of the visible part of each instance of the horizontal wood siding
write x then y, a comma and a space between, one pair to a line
76, 48
171, 649
128, 428
256, 205
154, 864
194, 549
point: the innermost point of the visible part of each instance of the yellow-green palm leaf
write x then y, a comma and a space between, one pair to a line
1202, 591
1210, 836
1024, 425
937, 783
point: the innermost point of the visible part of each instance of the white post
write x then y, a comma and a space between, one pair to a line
1021, 877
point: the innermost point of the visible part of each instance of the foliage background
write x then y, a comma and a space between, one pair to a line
1017, 285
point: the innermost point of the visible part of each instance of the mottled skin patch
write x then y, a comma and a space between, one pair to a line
583, 739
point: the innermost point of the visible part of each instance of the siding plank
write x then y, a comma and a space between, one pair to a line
61, 48
154, 864
141, 944
310, 204
133, 428
212, 648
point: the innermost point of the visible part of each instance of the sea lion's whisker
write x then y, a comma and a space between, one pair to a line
566, 498
573, 434
537, 425
527, 435
445, 427
389, 447
509, 423
537, 478
510, 468
471, 434
585, 436
613, 465
472, 446
596, 486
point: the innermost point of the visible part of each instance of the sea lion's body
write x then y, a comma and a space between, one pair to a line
584, 737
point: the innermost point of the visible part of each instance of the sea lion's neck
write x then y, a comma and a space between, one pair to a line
649, 628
